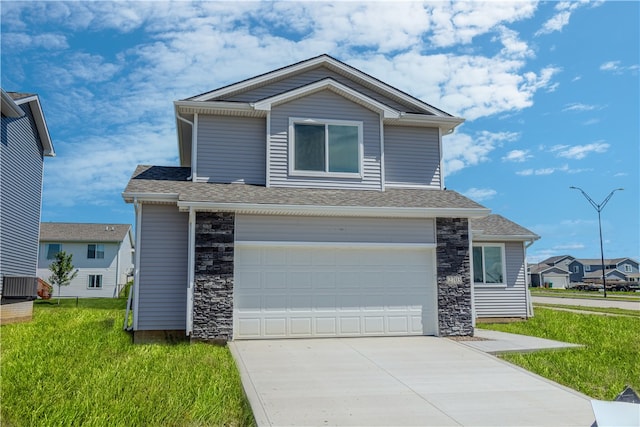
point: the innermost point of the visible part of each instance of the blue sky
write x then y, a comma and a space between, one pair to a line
549, 90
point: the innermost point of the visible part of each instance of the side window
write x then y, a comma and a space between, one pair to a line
53, 249
488, 264
95, 251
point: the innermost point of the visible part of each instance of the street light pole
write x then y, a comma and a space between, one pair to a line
599, 208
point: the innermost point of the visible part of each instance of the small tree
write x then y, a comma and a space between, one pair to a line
61, 270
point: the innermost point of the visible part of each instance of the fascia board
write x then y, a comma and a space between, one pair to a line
9, 107
447, 124
41, 124
266, 104
204, 106
504, 238
277, 209
150, 197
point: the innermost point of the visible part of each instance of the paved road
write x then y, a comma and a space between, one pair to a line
591, 302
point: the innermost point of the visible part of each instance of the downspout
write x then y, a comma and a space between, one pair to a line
116, 291
191, 177
527, 294
191, 269
136, 271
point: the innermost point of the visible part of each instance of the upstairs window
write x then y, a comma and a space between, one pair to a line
95, 251
628, 268
325, 148
587, 267
53, 249
488, 265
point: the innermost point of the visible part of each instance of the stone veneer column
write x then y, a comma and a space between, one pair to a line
454, 278
213, 289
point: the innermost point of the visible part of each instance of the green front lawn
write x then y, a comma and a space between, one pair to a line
75, 366
601, 370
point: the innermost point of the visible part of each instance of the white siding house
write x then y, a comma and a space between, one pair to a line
102, 255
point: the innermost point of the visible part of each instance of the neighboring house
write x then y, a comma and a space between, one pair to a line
102, 254
310, 202
25, 143
625, 269
549, 276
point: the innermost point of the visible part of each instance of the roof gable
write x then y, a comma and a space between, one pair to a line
330, 63
12, 105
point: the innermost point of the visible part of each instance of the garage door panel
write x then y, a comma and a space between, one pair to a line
324, 291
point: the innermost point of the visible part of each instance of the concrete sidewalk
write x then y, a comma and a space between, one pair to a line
397, 381
495, 342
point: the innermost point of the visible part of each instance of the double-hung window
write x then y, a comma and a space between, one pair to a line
325, 148
95, 281
53, 249
488, 264
95, 251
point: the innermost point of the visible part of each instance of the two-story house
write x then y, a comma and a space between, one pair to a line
622, 269
25, 143
102, 254
310, 202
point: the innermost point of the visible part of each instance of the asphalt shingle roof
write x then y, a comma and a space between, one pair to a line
82, 232
497, 225
173, 180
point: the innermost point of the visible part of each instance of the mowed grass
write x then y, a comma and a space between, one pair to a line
76, 366
601, 370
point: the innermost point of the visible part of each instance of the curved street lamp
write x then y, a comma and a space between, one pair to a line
599, 207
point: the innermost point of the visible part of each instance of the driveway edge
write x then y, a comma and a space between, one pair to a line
259, 413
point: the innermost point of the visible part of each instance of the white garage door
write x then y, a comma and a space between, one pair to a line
316, 291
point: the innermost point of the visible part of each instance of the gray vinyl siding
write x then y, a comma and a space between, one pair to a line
328, 106
231, 149
506, 301
271, 228
311, 76
21, 191
412, 156
163, 269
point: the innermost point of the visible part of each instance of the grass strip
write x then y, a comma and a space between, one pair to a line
601, 370
607, 310
75, 366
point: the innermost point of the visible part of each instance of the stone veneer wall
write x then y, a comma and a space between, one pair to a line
213, 291
455, 317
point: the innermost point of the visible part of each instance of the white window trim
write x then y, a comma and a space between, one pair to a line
299, 120
504, 265
89, 281
587, 267
628, 268
96, 250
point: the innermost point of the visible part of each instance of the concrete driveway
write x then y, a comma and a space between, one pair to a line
397, 381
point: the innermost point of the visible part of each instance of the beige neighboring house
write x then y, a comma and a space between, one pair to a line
102, 255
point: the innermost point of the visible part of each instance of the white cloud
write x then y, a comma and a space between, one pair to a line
576, 106
551, 170
616, 68
558, 21
578, 152
480, 194
517, 156
461, 150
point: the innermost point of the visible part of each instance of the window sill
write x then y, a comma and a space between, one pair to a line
305, 174
490, 285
